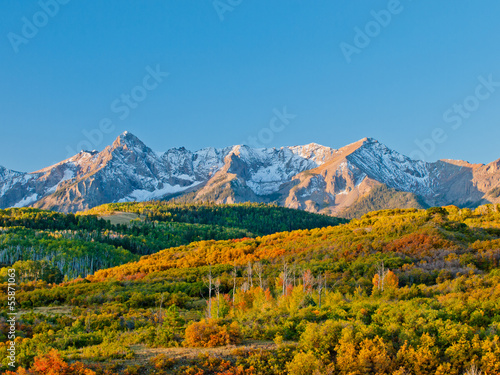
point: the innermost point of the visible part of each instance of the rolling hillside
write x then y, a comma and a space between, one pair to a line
395, 292
78, 245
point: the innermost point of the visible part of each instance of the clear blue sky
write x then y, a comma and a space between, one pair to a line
229, 71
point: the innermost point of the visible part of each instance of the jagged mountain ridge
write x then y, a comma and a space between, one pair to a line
311, 177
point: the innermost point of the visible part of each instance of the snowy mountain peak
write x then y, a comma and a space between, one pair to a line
127, 143
361, 143
128, 139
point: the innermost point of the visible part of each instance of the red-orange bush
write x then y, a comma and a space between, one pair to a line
418, 244
209, 333
52, 364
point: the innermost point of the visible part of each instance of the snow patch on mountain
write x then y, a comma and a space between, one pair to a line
26, 201
141, 195
269, 168
68, 175
317, 153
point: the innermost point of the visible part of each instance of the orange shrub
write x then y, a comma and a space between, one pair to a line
420, 244
209, 333
53, 364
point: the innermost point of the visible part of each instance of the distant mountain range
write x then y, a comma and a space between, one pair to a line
357, 178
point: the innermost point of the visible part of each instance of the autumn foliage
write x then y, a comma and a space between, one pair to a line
53, 364
210, 333
384, 282
396, 292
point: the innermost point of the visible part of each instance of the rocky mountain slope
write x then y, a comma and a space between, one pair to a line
311, 177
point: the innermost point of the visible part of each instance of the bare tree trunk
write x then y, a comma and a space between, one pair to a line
235, 272
321, 285
259, 269
381, 276
285, 276
209, 281
217, 295
249, 274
